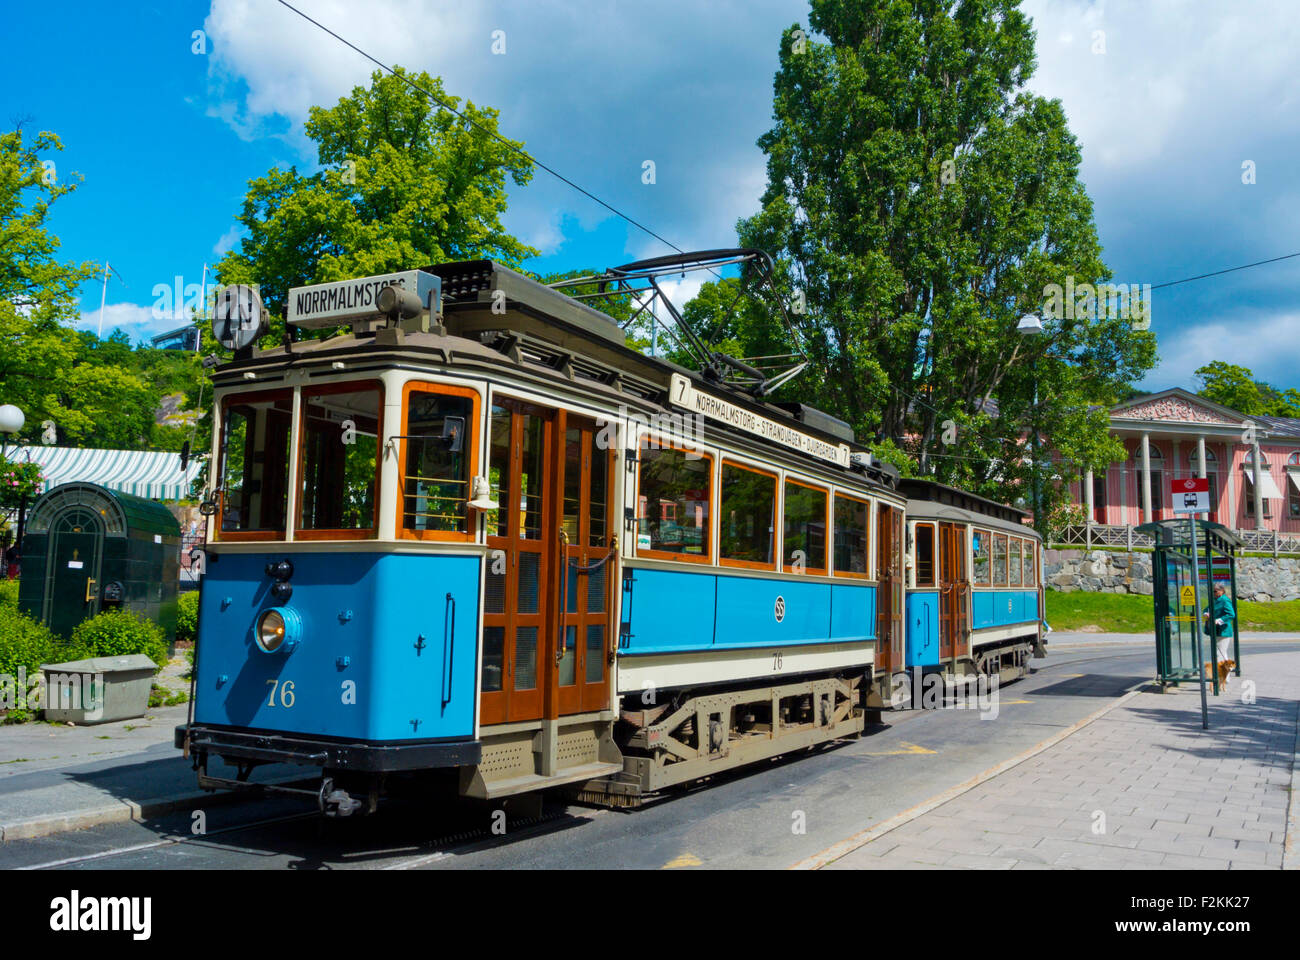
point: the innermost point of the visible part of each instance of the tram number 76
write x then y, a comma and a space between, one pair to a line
285, 690
776, 661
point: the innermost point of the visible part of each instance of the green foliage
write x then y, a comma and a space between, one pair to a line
1106, 612
922, 201
187, 616
9, 594
1236, 387
24, 642
118, 633
404, 183
160, 696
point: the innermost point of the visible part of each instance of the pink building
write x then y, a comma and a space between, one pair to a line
1252, 463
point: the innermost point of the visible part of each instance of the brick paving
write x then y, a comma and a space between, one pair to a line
1141, 787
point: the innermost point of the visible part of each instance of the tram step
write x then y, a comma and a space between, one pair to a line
535, 781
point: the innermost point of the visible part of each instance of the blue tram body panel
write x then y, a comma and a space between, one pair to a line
1001, 608
379, 621
674, 611
922, 628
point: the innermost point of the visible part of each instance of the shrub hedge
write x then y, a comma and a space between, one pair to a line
187, 616
117, 633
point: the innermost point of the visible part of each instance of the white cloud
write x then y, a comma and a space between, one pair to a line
228, 240
1267, 344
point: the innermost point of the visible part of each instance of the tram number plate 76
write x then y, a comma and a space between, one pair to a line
283, 690
777, 660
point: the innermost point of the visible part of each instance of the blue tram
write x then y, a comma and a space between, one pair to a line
479, 534
974, 599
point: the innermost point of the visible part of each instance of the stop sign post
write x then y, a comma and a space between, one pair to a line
1191, 495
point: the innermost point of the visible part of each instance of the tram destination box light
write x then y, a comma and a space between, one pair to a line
408, 298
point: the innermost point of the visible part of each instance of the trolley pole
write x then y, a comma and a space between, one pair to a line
1196, 626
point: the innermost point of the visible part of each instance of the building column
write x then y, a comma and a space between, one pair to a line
1258, 492
1087, 496
1146, 478
1200, 456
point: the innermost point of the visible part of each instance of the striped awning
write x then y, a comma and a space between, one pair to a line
151, 474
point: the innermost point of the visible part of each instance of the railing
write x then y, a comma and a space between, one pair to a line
1091, 535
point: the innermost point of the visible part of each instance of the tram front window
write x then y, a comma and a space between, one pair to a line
255, 462
338, 473
435, 476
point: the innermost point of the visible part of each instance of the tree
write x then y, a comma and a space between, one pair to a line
923, 202
404, 183
1232, 386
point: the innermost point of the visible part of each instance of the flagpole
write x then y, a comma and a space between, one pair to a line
102, 298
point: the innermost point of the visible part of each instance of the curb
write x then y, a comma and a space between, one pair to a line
121, 811
1290, 848
862, 838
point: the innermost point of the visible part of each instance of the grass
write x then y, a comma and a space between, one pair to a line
1134, 613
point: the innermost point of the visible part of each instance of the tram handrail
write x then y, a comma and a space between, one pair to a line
448, 648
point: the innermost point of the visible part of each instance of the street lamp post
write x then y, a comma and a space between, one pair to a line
11, 421
1032, 326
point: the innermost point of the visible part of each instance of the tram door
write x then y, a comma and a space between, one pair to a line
954, 591
520, 533
582, 640
889, 595
548, 478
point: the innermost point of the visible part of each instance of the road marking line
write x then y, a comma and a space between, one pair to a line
908, 750
863, 837
685, 860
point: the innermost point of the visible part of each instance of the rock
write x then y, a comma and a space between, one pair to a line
1143, 587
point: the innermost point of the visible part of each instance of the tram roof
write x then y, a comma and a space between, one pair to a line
927, 498
538, 329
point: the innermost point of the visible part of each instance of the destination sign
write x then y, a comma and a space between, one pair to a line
329, 304
682, 393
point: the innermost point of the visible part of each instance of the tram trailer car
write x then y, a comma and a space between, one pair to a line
974, 595
480, 537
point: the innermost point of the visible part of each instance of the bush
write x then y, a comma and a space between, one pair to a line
118, 633
187, 616
24, 645
9, 594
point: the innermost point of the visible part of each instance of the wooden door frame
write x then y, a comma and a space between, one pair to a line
509, 705
889, 616
953, 578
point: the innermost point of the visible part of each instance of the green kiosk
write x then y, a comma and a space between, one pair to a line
1183, 589
87, 549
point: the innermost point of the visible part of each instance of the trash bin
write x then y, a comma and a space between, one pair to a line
98, 690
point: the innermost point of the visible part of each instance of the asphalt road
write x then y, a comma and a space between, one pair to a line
771, 815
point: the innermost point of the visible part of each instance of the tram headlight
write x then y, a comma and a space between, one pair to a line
278, 629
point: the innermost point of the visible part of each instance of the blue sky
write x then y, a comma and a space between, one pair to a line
1168, 97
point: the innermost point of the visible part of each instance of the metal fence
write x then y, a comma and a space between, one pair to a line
1091, 535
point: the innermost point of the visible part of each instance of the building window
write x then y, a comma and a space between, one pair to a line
673, 503
748, 504
852, 532
925, 555
980, 547
1099, 498
1248, 493
805, 527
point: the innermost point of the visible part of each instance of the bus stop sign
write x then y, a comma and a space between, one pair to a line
1189, 495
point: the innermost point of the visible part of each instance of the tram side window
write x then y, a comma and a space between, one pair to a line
980, 546
339, 465
805, 528
436, 472
924, 555
852, 535
748, 504
675, 489
255, 462
999, 561
1030, 565
1013, 562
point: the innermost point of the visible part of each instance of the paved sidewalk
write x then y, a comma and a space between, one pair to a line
1142, 786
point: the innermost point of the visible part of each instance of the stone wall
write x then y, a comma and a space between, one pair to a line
1110, 571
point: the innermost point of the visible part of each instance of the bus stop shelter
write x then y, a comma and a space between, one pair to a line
1183, 588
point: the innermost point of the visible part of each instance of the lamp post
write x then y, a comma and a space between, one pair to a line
11, 421
1031, 325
